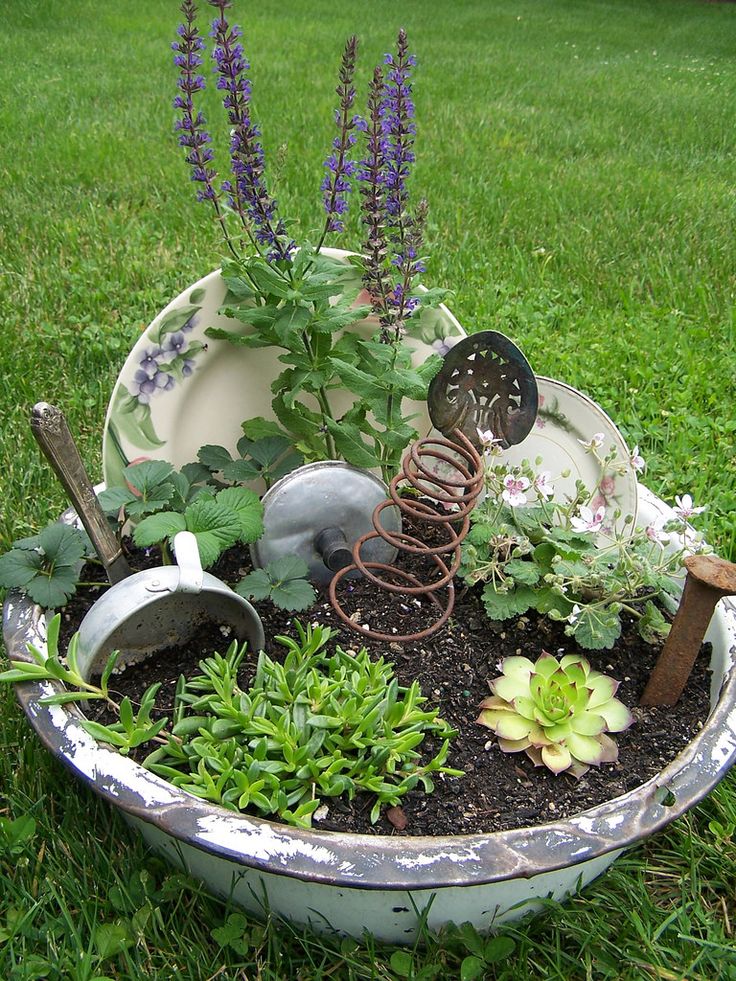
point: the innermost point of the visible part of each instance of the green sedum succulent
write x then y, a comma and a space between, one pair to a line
558, 712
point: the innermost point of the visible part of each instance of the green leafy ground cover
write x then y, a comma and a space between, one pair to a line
579, 163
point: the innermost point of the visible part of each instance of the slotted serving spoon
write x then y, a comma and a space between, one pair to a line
143, 612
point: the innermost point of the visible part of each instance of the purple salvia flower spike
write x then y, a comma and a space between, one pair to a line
191, 125
335, 186
371, 175
385, 171
397, 111
248, 195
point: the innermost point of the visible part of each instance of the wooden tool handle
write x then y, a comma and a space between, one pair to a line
53, 436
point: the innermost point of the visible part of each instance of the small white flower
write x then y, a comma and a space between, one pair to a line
489, 442
574, 614
594, 443
588, 520
637, 462
685, 507
656, 533
514, 487
543, 485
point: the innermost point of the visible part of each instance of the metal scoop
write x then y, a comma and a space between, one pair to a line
147, 611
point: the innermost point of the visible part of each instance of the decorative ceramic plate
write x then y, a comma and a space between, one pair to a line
565, 421
179, 389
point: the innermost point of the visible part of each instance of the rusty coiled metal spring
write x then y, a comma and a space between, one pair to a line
460, 490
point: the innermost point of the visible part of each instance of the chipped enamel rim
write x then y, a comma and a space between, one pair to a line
381, 862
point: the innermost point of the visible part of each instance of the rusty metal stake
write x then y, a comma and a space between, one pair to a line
709, 579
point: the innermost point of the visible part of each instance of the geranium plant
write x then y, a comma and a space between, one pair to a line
567, 558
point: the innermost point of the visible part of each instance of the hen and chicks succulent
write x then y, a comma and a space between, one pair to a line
558, 712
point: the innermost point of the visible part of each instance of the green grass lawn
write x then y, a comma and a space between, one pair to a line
579, 163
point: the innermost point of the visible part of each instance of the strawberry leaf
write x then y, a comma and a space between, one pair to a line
215, 526
248, 508
256, 585
157, 528
295, 594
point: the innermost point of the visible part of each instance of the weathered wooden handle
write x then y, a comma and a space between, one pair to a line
57, 444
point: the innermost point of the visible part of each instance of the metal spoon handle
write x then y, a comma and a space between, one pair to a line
53, 436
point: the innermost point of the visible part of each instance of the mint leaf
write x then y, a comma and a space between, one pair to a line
360, 382
267, 279
433, 296
258, 427
235, 281
337, 318
240, 340
350, 445
291, 321
407, 383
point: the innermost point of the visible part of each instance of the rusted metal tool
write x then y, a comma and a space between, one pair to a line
459, 492
485, 383
709, 579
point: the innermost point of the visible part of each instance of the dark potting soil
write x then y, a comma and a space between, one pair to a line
498, 791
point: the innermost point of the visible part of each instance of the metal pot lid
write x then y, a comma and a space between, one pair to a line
318, 512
